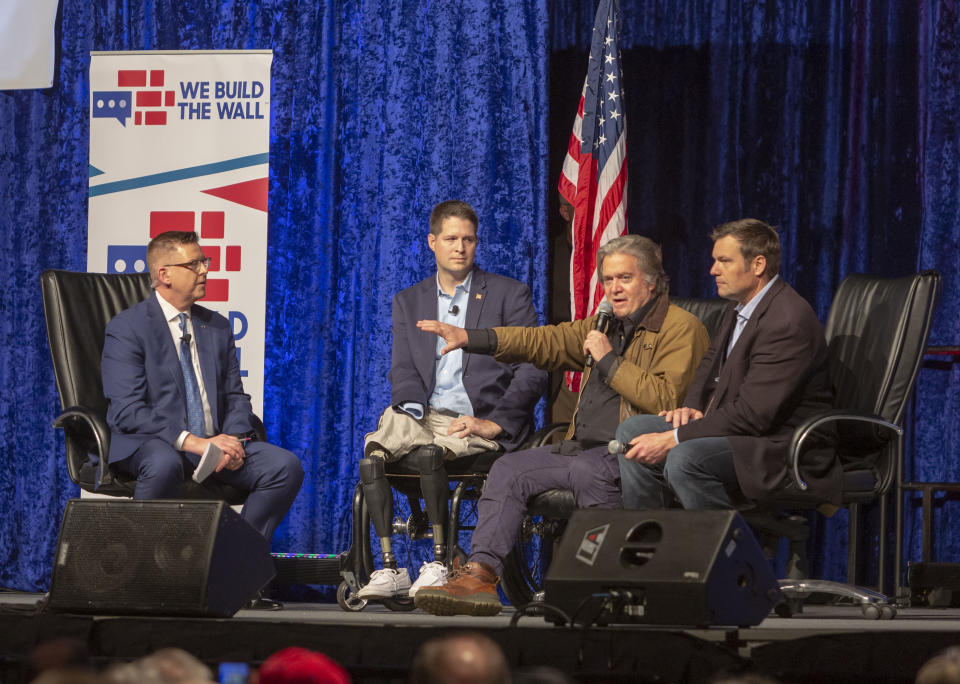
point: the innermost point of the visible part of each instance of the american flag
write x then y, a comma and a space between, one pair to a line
594, 177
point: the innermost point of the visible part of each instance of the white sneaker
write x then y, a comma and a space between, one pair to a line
386, 583
431, 575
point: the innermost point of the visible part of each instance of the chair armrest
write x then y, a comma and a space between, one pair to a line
543, 436
258, 427
806, 428
84, 427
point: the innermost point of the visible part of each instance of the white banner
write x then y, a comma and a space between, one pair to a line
27, 34
180, 141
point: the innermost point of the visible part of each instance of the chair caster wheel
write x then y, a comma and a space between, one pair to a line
347, 600
871, 611
888, 612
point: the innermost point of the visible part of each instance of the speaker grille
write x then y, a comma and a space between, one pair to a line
151, 556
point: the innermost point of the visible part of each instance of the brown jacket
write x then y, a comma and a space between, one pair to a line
654, 372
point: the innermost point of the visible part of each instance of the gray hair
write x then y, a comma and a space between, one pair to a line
648, 255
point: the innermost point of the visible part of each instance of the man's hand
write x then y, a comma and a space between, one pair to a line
464, 426
596, 345
456, 338
232, 448
650, 448
681, 416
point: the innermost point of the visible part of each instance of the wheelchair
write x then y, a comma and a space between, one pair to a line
417, 540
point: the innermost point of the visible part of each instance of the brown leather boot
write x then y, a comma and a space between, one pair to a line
470, 590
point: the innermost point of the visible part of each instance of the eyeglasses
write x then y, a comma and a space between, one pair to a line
194, 265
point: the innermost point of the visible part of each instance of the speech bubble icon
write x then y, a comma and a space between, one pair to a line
109, 104
126, 258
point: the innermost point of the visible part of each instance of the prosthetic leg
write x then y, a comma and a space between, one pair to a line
435, 487
376, 492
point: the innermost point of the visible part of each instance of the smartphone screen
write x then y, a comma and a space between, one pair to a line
233, 673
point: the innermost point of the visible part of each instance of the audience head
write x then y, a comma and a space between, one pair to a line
943, 668
301, 666
460, 658
166, 666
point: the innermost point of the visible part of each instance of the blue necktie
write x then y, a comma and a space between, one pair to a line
194, 405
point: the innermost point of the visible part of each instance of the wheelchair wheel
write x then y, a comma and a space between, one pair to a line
525, 568
347, 600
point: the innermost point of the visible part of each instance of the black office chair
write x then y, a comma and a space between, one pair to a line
876, 332
77, 308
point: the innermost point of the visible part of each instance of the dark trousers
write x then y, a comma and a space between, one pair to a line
592, 474
271, 474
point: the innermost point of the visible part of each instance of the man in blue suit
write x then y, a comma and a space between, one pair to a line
171, 375
446, 406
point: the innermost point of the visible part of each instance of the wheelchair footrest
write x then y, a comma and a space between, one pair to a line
309, 568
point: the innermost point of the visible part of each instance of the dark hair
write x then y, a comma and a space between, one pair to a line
452, 209
164, 244
448, 658
648, 255
756, 238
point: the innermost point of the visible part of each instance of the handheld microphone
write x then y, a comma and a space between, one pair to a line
615, 447
604, 316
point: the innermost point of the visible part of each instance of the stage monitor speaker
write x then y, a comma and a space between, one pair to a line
124, 557
665, 567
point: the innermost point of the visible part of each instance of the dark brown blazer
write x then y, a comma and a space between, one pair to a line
775, 377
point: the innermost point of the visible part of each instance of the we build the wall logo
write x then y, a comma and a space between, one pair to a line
150, 103
180, 141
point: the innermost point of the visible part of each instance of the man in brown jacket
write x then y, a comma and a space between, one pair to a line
642, 364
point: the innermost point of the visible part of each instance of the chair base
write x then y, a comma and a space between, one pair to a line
873, 604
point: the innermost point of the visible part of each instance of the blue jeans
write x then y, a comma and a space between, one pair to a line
698, 472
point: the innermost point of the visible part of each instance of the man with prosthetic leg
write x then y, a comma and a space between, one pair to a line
445, 406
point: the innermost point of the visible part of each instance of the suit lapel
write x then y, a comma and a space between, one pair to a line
169, 358
476, 298
425, 346
208, 362
738, 355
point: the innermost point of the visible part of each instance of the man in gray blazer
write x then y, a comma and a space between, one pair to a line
764, 373
449, 406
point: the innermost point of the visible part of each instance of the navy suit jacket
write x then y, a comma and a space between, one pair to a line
144, 384
501, 392
774, 378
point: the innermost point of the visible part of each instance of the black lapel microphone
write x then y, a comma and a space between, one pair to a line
604, 317
186, 338
453, 310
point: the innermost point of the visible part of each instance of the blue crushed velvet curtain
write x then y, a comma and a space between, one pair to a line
835, 120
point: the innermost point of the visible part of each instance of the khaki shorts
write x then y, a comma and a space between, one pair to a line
399, 433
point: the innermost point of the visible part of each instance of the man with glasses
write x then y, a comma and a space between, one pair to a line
171, 375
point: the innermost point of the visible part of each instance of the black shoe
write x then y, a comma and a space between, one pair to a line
261, 602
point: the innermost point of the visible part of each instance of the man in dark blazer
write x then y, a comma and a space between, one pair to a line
764, 373
448, 406
171, 375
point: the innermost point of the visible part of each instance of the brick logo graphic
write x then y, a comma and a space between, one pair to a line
146, 100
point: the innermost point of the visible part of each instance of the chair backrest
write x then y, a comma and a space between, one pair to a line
77, 308
876, 332
709, 311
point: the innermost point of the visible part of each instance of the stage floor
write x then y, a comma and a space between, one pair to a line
823, 644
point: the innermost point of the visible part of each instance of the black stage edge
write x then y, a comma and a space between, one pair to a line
825, 644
